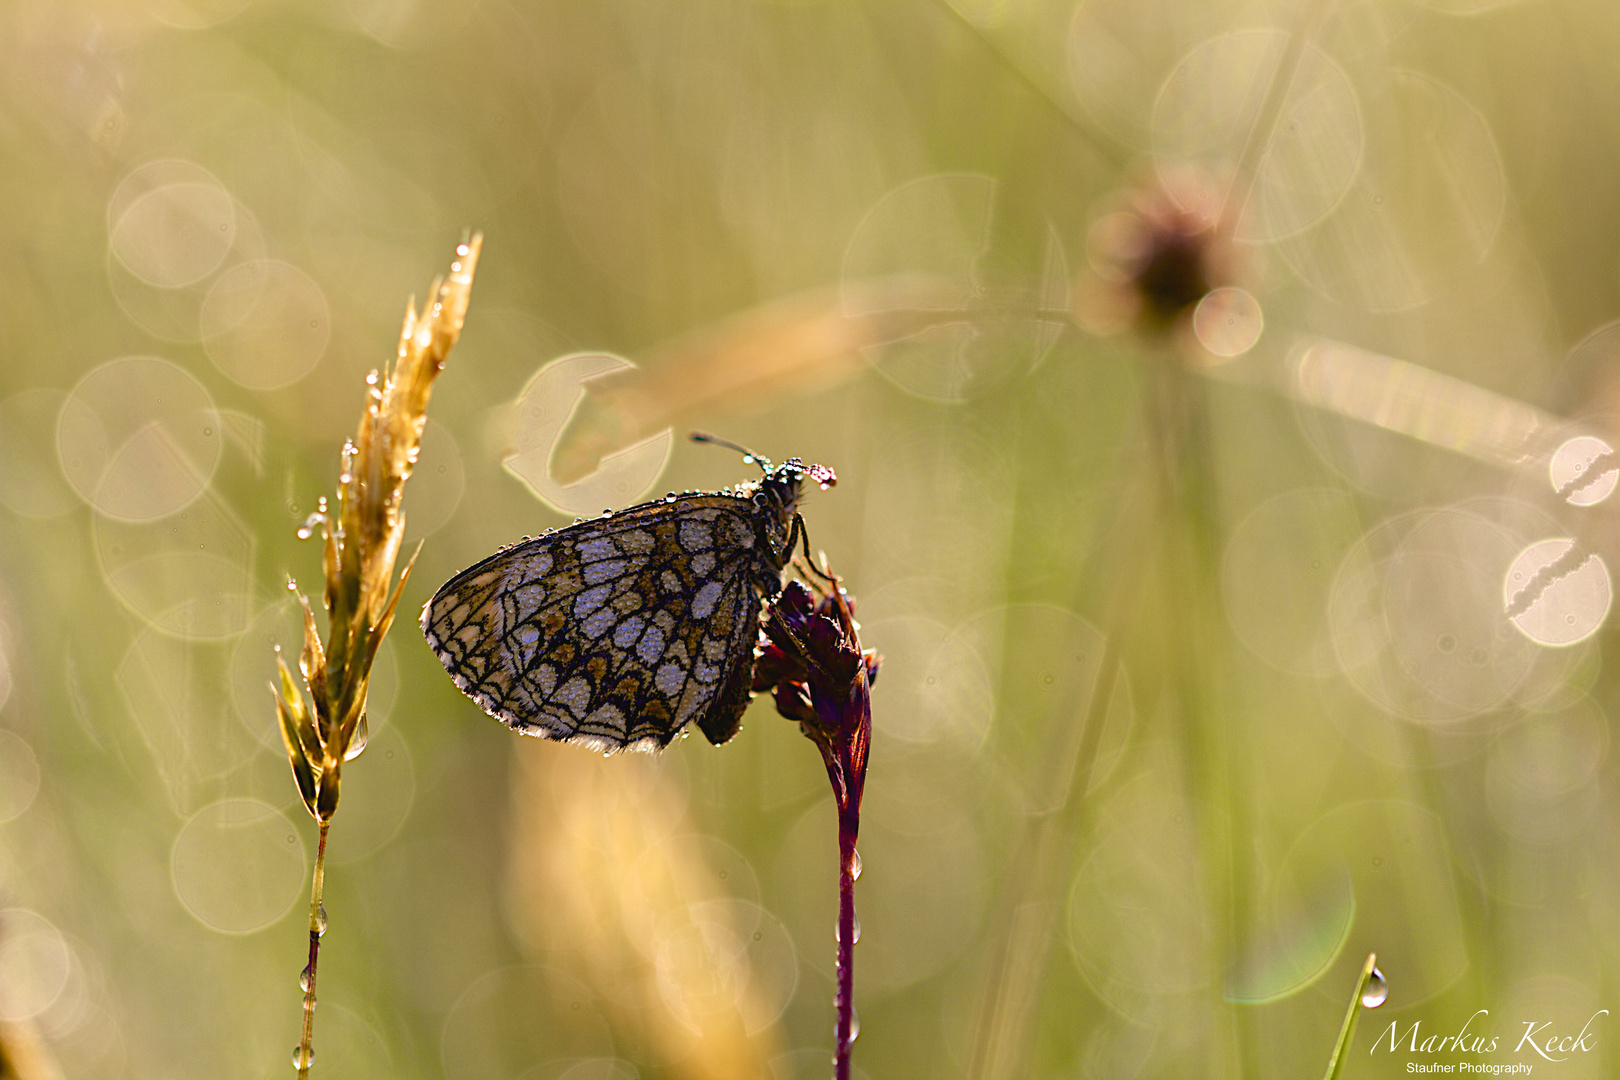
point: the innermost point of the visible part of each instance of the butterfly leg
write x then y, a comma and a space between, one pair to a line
800, 534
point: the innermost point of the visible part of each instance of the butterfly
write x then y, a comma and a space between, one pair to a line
616, 632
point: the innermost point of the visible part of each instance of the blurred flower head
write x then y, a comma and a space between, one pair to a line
1154, 257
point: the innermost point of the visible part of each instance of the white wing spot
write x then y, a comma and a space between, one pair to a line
696, 536
529, 598
628, 631
635, 542
703, 603
591, 599
575, 694
651, 645
606, 570
607, 716
599, 548
599, 623
669, 679
522, 570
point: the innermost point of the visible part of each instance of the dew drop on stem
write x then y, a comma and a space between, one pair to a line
320, 921
303, 979
1376, 990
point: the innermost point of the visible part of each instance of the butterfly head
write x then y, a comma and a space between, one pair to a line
782, 484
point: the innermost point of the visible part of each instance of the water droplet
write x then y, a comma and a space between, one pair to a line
320, 921
371, 377
307, 529
856, 939
854, 1025
855, 866
292, 586
302, 1057
345, 477
463, 249
303, 979
1377, 990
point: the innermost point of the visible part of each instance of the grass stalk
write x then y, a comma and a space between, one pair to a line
361, 543
317, 929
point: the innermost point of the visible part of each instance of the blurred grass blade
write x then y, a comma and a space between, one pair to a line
1420, 403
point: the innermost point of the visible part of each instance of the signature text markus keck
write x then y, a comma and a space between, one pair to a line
1535, 1040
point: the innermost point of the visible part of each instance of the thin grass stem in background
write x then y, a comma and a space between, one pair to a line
1369, 993
362, 541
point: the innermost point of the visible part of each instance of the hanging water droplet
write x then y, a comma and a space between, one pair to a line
307, 529
854, 1025
855, 866
303, 979
320, 921
855, 938
371, 377
302, 1057
1377, 990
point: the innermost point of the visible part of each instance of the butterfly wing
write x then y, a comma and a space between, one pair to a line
615, 632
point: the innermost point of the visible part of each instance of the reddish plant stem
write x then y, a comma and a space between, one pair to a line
844, 999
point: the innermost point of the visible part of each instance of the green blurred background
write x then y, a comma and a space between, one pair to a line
1199, 684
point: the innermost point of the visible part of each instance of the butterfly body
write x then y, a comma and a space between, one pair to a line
617, 631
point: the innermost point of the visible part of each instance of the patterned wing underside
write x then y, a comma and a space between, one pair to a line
614, 632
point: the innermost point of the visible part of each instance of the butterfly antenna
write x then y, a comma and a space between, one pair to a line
764, 463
